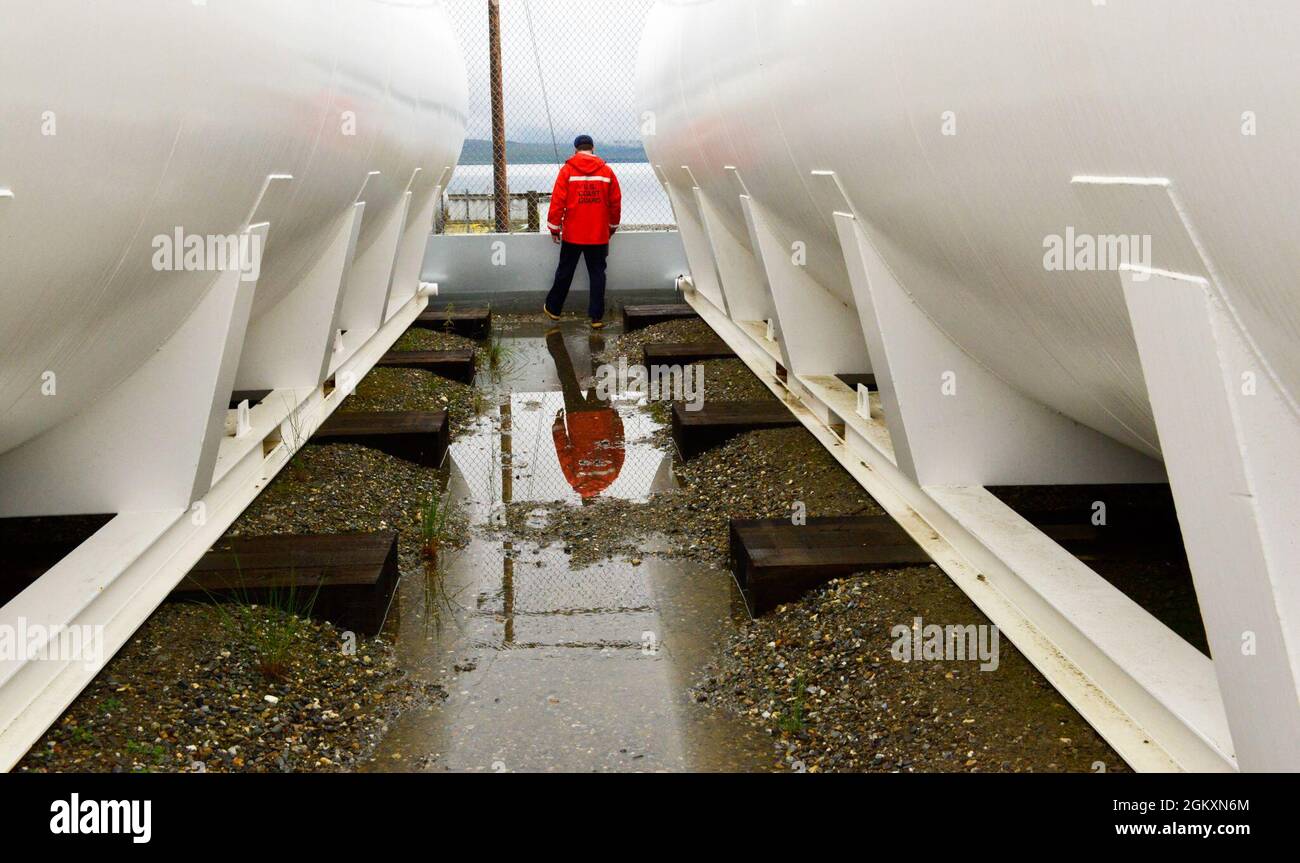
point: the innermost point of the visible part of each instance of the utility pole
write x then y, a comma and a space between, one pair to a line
500, 184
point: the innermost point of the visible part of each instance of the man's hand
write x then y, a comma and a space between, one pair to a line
555, 238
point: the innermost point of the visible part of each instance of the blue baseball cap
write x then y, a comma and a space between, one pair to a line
583, 142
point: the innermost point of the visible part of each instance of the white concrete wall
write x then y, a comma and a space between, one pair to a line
521, 263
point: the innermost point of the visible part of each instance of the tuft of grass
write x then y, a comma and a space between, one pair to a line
297, 440
272, 629
434, 516
500, 358
793, 722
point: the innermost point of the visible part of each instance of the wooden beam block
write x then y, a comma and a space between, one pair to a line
470, 323
253, 397
347, 579
455, 365
640, 317
418, 436
31, 546
775, 561
852, 382
696, 431
1138, 523
686, 353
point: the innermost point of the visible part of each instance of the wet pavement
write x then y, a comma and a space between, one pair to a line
547, 665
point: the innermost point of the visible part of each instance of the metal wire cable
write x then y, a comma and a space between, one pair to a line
546, 102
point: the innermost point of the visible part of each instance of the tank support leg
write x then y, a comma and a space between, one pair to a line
819, 334
1232, 448
738, 273
152, 442
410, 264
954, 423
410, 252
290, 346
699, 257
365, 298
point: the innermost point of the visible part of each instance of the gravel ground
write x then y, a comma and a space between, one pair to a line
419, 339
347, 488
631, 344
185, 694
757, 475
417, 390
186, 687
819, 677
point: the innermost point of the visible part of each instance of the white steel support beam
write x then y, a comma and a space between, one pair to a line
410, 252
1232, 447
291, 345
112, 582
1152, 696
365, 297
1231, 444
704, 271
819, 334
152, 442
737, 270
952, 422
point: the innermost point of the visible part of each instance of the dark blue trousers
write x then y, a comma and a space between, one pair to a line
596, 257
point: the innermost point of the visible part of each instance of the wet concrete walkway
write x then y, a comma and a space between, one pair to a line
548, 665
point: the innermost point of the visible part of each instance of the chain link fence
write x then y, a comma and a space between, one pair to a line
568, 67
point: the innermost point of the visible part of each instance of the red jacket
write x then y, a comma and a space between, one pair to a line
587, 203
591, 450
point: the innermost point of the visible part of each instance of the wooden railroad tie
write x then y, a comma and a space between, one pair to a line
471, 323
777, 561
685, 353
346, 579
640, 317
715, 422
455, 365
418, 436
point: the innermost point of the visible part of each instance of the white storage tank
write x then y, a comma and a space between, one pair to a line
956, 130
121, 123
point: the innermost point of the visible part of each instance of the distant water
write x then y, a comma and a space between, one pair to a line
644, 201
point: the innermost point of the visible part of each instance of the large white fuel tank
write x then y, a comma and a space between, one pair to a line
956, 128
123, 122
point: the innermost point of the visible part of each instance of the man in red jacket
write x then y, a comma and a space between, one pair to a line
586, 206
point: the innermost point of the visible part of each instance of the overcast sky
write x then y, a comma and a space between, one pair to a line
588, 51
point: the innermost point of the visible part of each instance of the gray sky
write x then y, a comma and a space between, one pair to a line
588, 51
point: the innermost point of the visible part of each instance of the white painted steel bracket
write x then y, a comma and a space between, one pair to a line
122, 573
704, 272
819, 334
291, 345
1152, 696
952, 422
1231, 442
151, 442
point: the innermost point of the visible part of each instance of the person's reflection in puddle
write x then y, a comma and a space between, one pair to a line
588, 432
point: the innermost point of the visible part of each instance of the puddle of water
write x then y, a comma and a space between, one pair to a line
549, 667
555, 455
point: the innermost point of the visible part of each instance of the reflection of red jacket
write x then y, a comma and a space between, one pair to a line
590, 447
587, 202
